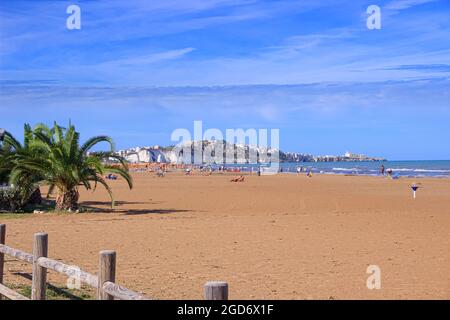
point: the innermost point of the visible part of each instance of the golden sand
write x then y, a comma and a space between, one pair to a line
269, 237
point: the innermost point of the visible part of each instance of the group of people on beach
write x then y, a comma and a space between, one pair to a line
309, 173
209, 170
383, 171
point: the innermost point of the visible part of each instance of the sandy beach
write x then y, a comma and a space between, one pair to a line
270, 237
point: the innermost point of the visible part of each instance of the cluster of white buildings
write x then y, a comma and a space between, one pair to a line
242, 154
208, 151
144, 154
348, 156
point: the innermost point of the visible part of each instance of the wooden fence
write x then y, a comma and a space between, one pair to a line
103, 282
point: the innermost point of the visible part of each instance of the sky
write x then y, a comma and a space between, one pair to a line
139, 69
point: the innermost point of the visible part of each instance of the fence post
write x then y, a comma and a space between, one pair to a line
216, 290
39, 283
2, 255
106, 272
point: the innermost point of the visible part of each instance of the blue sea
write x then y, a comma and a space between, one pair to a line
416, 169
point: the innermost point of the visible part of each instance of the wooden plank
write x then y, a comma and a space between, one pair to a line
11, 294
70, 271
106, 272
216, 290
41, 263
122, 293
39, 281
2, 255
18, 254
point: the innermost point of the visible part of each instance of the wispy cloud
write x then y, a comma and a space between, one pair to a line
148, 59
406, 4
315, 117
309, 67
305, 41
422, 67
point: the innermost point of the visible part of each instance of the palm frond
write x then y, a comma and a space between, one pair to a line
96, 140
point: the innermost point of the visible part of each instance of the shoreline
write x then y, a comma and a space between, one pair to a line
399, 169
374, 175
249, 172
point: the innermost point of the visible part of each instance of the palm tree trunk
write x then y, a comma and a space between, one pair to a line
67, 200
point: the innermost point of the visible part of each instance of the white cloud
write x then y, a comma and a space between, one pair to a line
148, 59
405, 4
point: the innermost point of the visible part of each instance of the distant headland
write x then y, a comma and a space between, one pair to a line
171, 154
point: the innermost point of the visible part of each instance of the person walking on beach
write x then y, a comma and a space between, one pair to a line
382, 170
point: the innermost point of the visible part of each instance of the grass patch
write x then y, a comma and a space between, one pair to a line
9, 215
46, 207
57, 292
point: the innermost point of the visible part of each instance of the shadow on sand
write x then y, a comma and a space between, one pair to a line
108, 203
91, 206
153, 211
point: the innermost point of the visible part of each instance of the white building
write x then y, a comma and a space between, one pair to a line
145, 155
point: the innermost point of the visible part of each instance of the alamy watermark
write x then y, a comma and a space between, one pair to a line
374, 19
374, 280
74, 280
74, 20
236, 146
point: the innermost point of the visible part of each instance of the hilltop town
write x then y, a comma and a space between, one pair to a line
171, 154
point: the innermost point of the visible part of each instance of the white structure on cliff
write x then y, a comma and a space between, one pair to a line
144, 154
351, 155
212, 152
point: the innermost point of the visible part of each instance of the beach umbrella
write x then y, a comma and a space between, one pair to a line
2, 134
414, 188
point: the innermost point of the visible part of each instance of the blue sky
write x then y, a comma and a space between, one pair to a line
139, 69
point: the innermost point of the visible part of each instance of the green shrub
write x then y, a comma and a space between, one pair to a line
19, 199
11, 200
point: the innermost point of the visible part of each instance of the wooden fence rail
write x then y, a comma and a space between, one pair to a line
11, 294
104, 281
70, 271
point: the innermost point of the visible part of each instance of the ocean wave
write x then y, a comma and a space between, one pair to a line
420, 170
362, 172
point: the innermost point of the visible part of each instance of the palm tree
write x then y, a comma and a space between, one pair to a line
11, 149
57, 160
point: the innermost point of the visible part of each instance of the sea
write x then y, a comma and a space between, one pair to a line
413, 169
